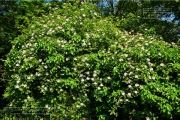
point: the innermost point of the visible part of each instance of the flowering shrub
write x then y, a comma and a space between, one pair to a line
77, 64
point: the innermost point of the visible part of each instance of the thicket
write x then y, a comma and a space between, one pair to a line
78, 64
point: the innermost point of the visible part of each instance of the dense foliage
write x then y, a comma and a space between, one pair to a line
14, 17
77, 61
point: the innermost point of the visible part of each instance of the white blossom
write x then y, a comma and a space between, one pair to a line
137, 69
24, 51
32, 49
45, 66
135, 92
129, 81
88, 78
95, 83
129, 86
28, 97
142, 48
125, 74
24, 85
130, 73
81, 75
147, 118
46, 106
136, 76
45, 88
77, 106
129, 94
38, 74
82, 80
94, 75
162, 64
120, 60
59, 27
81, 104
16, 86
136, 84
67, 59
87, 72
67, 19
126, 55
83, 44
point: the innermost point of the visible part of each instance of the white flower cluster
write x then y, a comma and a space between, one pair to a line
87, 76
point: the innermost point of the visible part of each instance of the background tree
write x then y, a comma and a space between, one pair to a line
134, 18
132, 12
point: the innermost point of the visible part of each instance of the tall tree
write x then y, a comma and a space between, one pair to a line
169, 30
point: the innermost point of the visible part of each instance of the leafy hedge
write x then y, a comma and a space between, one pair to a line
81, 65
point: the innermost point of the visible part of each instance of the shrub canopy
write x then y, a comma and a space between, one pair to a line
77, 61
